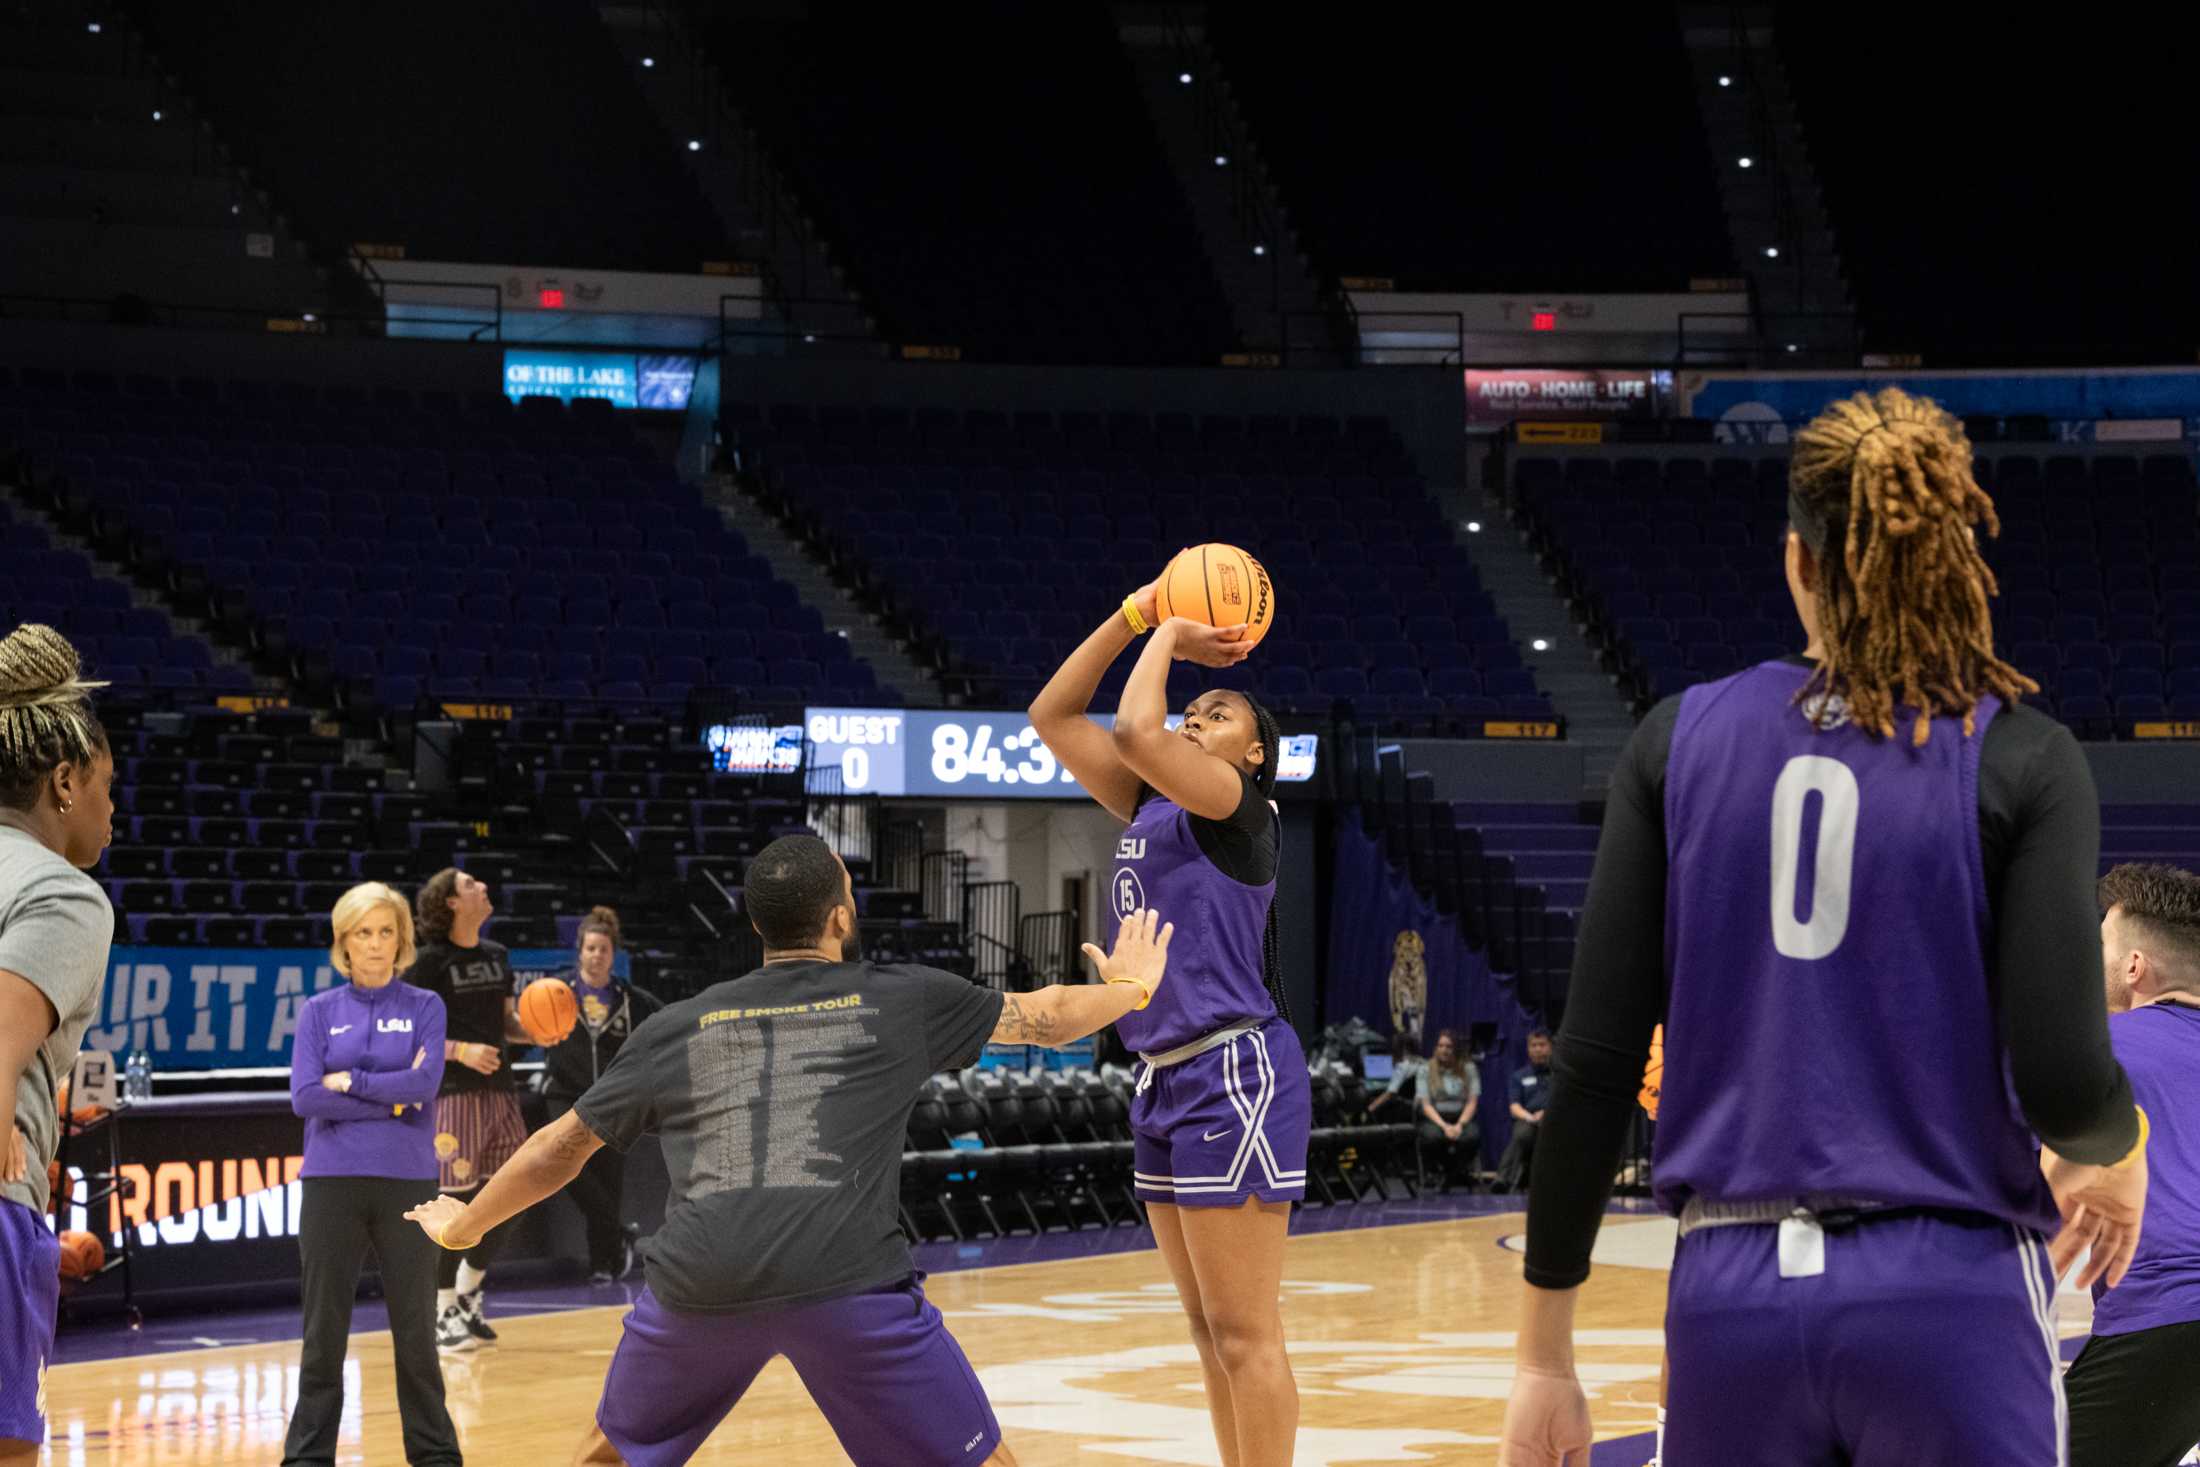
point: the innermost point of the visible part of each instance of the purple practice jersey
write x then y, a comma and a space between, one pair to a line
1830, 1027
1215, 975
2160, 1045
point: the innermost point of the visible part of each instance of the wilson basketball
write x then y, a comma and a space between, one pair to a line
1653, 1074
81, 1255
1220, 585
547, 1010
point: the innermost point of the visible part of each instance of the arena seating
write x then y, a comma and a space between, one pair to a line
1032, 520
1446, 153
1002, 192
585, 176
131, 646
1675, 565
392, 549
996, 1151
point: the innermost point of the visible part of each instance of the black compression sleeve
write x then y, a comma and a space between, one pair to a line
1615, 999
2054, 1020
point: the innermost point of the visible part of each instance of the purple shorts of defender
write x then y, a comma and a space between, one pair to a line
1929, 1337
891, 1380
1225, 1125
30, 1297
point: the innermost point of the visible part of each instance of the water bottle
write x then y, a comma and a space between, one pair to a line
137, 1076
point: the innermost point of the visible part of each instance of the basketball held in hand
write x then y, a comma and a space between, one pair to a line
547, 1010
1219, 585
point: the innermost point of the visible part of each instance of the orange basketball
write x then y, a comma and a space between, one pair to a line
54, 1198
1653, 1074
547, 1010
82, 1255
1220, 585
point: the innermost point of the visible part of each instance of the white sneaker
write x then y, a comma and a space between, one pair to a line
451, 1335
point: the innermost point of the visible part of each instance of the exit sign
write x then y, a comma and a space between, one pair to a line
1543, 321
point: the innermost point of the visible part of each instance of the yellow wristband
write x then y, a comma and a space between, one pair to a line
1144, 997
1130, 614
2138, 1147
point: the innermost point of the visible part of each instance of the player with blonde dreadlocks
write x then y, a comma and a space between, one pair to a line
1901, 604
1873, 956
56, 809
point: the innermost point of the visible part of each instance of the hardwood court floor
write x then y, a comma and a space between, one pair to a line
1401, 1338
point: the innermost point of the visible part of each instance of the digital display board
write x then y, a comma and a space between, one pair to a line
622, 379
941, 752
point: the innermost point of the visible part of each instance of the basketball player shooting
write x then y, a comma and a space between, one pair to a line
1858, 887
782, 1098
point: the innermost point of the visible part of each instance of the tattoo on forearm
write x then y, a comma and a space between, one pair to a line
572, 1142
1021, 1024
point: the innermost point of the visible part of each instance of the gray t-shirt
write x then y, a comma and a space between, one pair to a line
55, 929
783, 1100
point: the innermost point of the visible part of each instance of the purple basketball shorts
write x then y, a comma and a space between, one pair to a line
1225, 1125
1928, 1337
30, 1297
890, 1379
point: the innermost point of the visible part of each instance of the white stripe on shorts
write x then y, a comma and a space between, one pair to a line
1253, 1114
2039, 1289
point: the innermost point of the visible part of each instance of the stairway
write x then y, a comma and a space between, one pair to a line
114, 190
1598, 719
896, 670
1776, 213
1274, 293
815, 311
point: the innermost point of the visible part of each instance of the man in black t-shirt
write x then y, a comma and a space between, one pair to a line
477, 1120
782, 1098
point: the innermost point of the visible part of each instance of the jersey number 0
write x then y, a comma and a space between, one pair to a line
1832, 858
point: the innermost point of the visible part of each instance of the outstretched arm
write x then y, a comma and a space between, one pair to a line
552, 1157
1064, 1013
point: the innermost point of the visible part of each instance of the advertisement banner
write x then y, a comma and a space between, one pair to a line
1500, 395
1760, 408
200, 1008
1400, 965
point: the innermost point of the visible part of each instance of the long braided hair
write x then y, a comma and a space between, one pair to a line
1270, 735
1902, 595
46, 717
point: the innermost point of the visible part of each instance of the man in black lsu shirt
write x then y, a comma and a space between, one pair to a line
477, 1119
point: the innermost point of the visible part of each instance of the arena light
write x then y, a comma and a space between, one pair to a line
695, 145
1540, 645
1474, 527
93, 27
1772, 252
1222, 160
309, 316
1793, 347
236, 208
809, 336
1726, 81
156, 114
648, 62
1260, 249
1746, 161
1184, 77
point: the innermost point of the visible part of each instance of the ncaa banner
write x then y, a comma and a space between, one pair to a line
201, 1008
1401, 965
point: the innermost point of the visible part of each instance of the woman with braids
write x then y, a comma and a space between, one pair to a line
1857, 887
56, 809
609, 1008
1222, 1107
